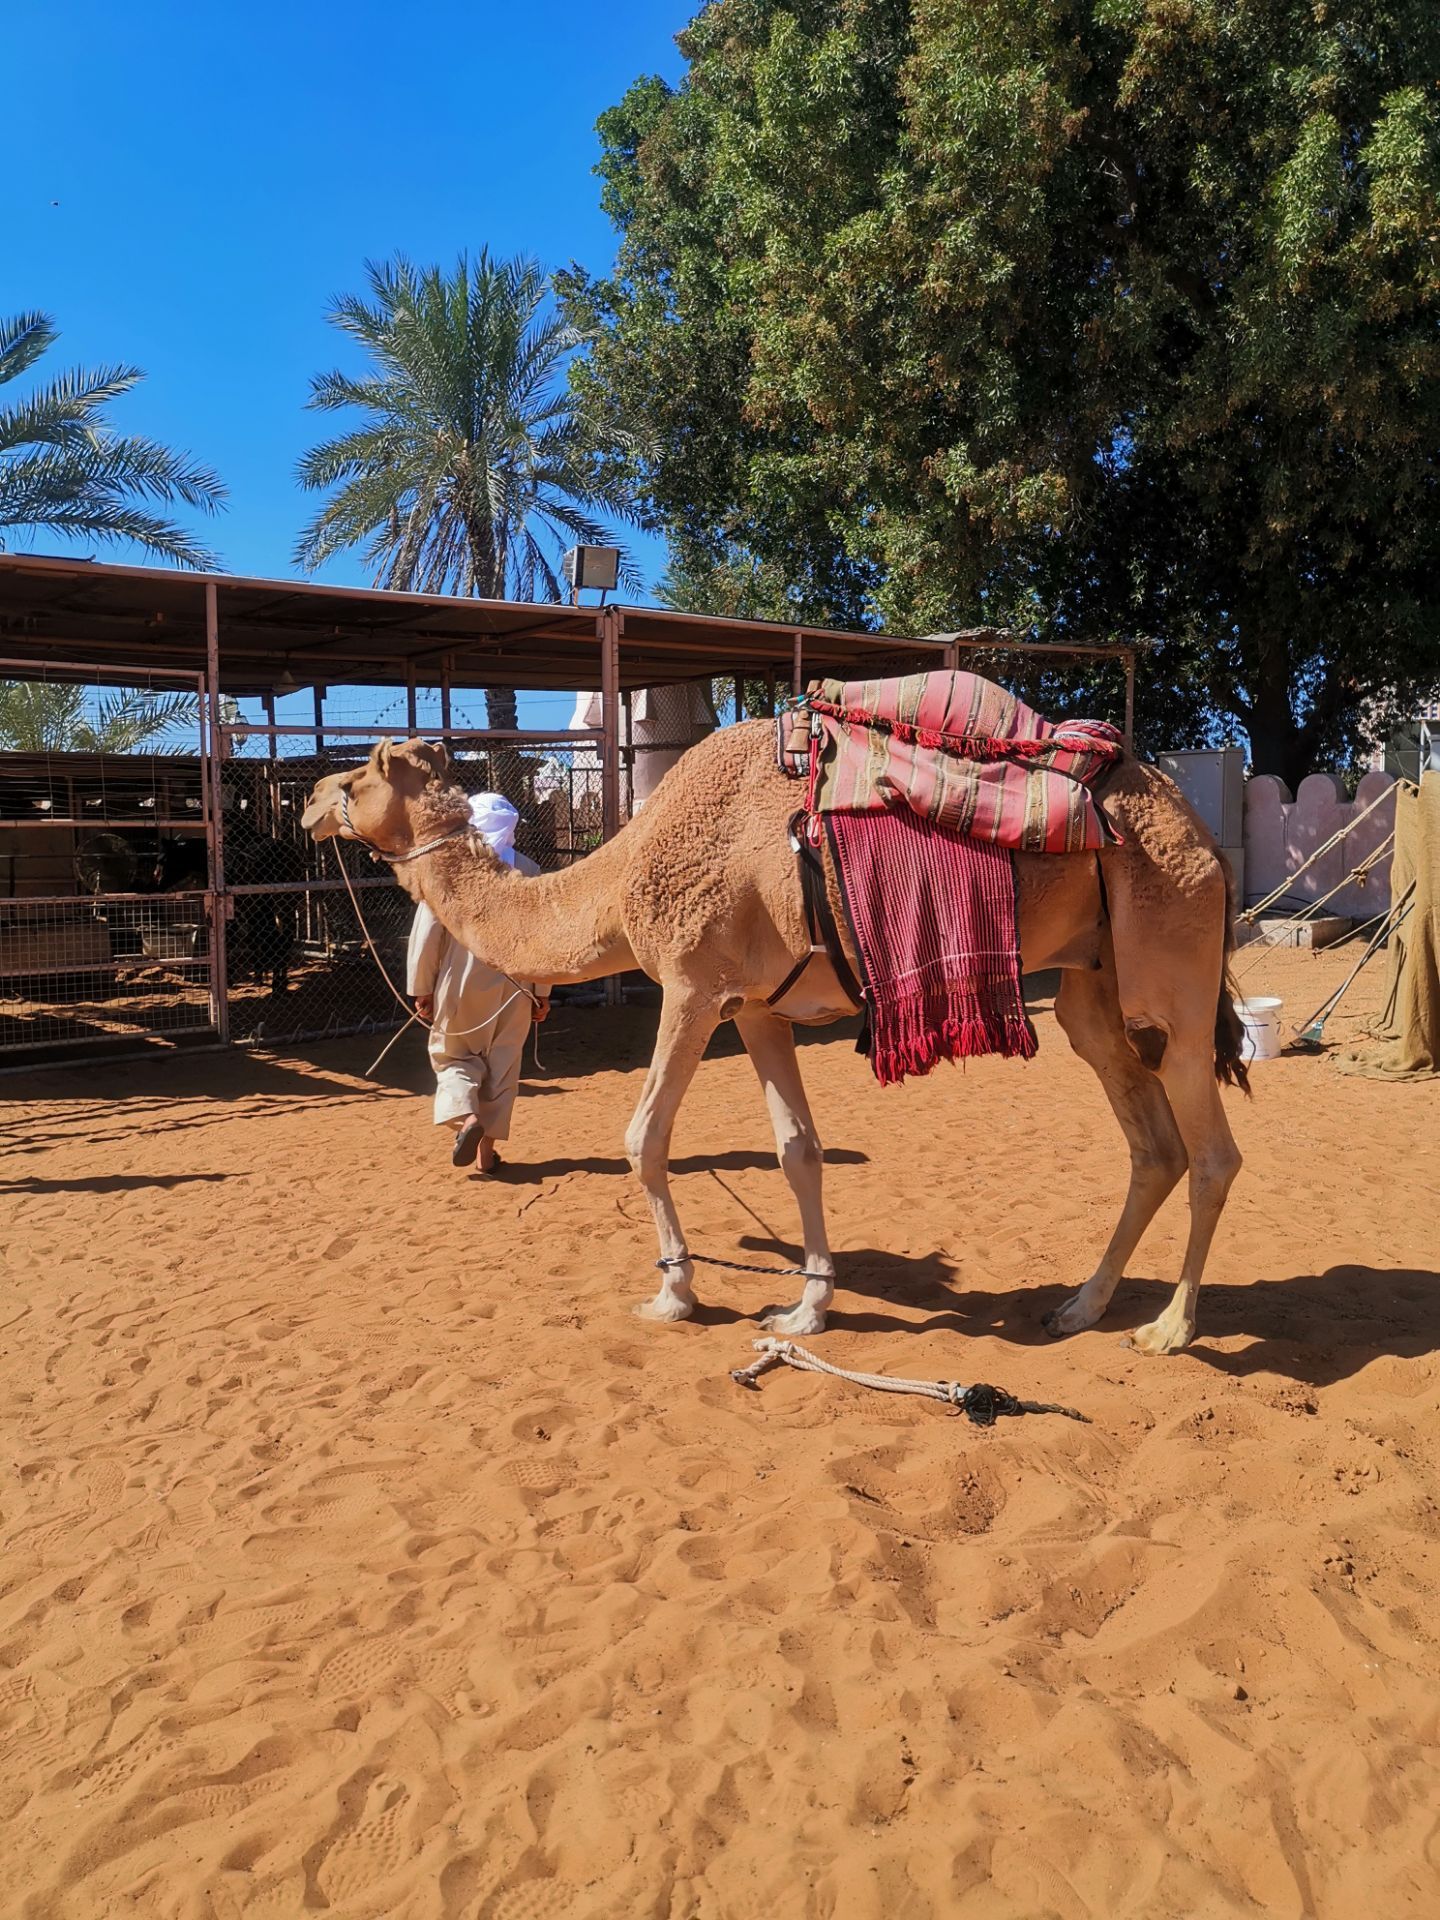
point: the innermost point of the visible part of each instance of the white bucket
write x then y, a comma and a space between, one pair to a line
1261, 1020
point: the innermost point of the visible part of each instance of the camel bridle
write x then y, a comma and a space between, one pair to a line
452, 832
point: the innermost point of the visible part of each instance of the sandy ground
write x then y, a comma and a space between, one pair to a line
363, 1555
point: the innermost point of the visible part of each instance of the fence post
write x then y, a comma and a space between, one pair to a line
213, 748
797, 678
1130, 699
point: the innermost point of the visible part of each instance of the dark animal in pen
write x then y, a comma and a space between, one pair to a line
263, 932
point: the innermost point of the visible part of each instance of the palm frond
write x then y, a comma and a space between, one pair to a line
23, 338
56, 717
63, 468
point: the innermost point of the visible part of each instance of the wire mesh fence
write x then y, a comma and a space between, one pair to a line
103, 970
105, 935
298, 965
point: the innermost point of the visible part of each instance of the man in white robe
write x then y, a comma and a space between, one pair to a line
479, 1020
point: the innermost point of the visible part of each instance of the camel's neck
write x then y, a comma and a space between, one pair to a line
553, 927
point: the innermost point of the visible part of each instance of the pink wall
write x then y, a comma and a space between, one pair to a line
1281, 832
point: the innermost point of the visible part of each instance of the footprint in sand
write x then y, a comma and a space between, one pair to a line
112, 1776
361, 1668
535, 1900
15, 1688
373, 1849
542, 1477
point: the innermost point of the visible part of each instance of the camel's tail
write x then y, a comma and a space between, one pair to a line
1230, 1068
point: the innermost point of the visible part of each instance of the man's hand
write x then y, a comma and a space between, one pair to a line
425, 1007
539, 1010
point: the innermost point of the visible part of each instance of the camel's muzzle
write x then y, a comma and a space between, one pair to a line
321, 817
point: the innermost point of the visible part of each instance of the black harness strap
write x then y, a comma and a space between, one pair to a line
819, 923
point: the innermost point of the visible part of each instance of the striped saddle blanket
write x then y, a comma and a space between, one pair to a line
925, 788
957, 750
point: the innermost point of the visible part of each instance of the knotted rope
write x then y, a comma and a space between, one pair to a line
982, 1404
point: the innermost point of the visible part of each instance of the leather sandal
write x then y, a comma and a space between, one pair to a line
467, 1144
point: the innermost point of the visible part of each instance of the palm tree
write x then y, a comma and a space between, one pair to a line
57, 717
469, 471
63, 468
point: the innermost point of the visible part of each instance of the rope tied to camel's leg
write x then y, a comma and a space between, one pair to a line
981, 1403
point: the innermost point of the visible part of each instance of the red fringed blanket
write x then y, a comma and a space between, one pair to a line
934, 918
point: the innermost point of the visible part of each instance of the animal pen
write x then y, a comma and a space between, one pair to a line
160, 893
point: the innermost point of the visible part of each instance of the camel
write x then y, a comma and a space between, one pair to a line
701, 891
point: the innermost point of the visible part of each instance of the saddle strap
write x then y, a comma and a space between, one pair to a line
819, 923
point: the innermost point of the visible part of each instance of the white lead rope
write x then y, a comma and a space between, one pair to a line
982, 1403
403, 1003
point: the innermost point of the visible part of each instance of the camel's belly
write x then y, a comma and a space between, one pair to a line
1062, 910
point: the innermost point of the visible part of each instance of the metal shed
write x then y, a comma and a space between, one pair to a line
213, 879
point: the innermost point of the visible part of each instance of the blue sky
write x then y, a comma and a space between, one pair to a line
186, 187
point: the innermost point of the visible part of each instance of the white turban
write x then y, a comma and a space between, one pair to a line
495, 820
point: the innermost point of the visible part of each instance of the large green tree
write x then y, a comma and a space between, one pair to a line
467, 471
64, 470
1082, 316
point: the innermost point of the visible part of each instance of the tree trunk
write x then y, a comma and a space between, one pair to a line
500, 707
1278, 743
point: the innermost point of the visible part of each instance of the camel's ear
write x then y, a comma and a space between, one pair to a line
380, 757
429, 756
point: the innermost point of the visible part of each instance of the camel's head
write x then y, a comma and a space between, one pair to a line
376, 803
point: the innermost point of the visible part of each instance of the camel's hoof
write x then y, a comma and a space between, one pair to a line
666, 1308
1071, 1318
794, 1322
1160, 1338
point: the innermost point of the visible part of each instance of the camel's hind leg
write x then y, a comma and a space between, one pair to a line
686, 1024
1188, 1074
770, 1042
1088, 1009
1169, 944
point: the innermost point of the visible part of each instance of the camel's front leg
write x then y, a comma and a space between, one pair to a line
770, 1042
686, 1025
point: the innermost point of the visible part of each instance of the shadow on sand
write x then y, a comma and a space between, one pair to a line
1309, 1327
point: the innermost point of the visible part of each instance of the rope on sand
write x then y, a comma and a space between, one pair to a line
983, 1404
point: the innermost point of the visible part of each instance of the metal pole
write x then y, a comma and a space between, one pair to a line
1130, 699
214, 744
272, 776
445, 694
319, 717
411, 710
952, 658
608, 623
797, 680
